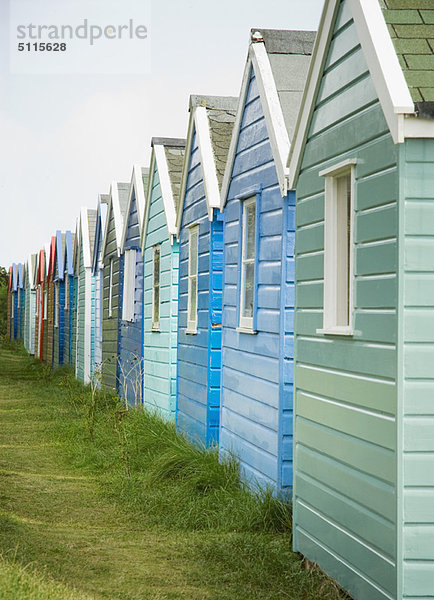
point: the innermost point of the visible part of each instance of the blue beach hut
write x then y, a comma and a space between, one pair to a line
130, 336
200, 226
68, 277
58, 277
161, 259
258, 290
98, 274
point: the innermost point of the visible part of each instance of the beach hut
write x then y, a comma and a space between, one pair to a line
44, 289
68, 278
161, 258
130, 350
13, 301
111, 251
30, 304
258, 258
58, 278
200, 232
362, 164
21, 302
85, 297
40, 304
9, 304
97, 272
51, 301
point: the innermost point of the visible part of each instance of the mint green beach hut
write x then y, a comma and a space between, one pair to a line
160, 281
362, 164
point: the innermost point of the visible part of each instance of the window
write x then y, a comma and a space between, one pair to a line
56, 304
110, 298
19, 298
156, 288
66, 292
129, 285
37, 302
338, 249
12, 306
193, 249
45, 305
248, 251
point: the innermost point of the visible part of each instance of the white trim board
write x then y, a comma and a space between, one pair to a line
84, 238
185, 169
383, 65
166, 189
210, 181
136, 186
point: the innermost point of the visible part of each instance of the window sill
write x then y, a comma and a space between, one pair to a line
348, 331
246, 330
155, 328
191, 331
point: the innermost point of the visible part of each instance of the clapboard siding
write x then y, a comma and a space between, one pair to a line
256, 413
130, 333
81, 330
417, 197
198, 385
160, 347
45, 292
59, 331
346, 435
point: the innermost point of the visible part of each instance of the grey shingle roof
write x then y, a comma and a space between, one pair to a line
175, 161
411, 27
289, 55
91, 218
145, 179
105, 198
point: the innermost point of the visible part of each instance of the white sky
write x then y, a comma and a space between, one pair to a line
64, 138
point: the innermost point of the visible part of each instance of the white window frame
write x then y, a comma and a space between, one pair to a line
12, 306
110, 290
246, 323
192, 323
19, 298
156, 283
337, 293
129, 285
45, 317
56, 304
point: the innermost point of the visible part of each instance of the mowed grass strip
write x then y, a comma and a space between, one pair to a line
107, 503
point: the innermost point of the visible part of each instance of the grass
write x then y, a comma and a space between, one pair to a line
107, 503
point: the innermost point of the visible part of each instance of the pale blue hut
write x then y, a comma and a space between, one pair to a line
161, 260
200, 226
258, 258
98, 274
130, 336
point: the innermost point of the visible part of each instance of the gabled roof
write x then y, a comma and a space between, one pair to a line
10, 278
14, 286
31, 269
59, 255
68, 259
391, 75
119, 193
101, 215
137, 190
40, 267
168, 156
212, 118
20, 275
86, 228
280, 60
52, 257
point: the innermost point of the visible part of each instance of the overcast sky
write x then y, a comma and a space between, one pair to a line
65, 137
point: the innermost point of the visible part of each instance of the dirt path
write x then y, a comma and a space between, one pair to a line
53, 516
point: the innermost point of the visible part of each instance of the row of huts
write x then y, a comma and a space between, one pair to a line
268, 284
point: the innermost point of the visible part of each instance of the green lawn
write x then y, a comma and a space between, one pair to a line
98, 503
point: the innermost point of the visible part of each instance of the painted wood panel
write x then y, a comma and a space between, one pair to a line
417, 197
346, 387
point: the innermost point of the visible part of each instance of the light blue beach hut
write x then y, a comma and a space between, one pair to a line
161, 260
130, 336
259, 232
200, 226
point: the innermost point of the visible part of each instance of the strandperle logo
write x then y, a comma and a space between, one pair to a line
84, 31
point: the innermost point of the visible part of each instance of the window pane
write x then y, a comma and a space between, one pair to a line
193, 298
156, 304
343, 231
250, 222
249, 270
